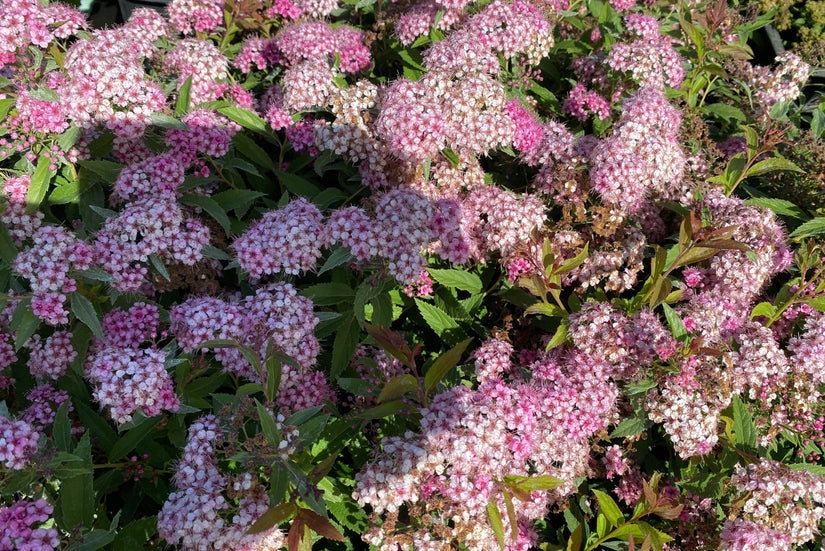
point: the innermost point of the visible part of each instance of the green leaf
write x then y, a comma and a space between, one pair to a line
812, 468
818, 123
252, 151
94, 540
398, 386
211, 251
438, 320
677, 327
273, 517
245, 118
725, 112
210, 207
559, 336
751, 141
84, 311
62, 428
451, 156
572, 263
39, 185
344, 345
327, 294
763, 309
182, 105
339, 256
609, 508
495, 521
443, 364
779, 206
297, 185
772, 165
537, 483
133, 438
25, 323
811, 227
457, 279
68, 138
108, 171
96, 425
238, 200
270, 430
159, 266
77, 496
743, 424
545, 309
630, 426
166, 121
383, 410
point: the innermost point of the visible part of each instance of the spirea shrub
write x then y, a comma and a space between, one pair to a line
430, 275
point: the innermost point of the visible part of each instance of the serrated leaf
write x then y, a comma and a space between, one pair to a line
572, 263
629, 427
559, 336
62, 428
273, 517
545, 309
209, 206
268, 427
339, 256
398, 386
167, 121
457, 279
772, 165
743, 424
779, 206
751, 141
763, 309
159, 266
537, 483
84, 311
133, 438
245, 118
443, 364
438, 320
677, 327
818, 123
609, 508
297, 185
815, 226
725, 112
495, 521
39, 186
182, 105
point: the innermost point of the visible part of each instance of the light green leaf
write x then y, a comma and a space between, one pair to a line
443, 364
457, 279
609, 508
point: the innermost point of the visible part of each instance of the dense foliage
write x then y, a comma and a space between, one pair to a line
432, 275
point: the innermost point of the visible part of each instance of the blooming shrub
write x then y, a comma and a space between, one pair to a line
435, 275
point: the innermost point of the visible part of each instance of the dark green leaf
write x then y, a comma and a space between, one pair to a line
629, 427
436, 318
443, 364
457, 279
811, 227
210, 207
133, 438
85, 312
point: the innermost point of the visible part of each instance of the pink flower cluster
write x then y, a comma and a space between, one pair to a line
643, 157
51, 359
20, 224
781, 499
275, 313
16, 526
106, 83
25, 22
154, 225
204, 63
780, 84
46, 265
649, 57
192, 519
125, 377
471, 440
18, 443
195, 15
